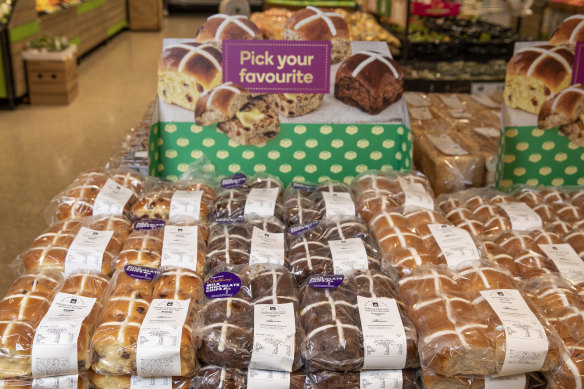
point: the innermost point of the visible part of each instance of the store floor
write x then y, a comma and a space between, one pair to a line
45, 148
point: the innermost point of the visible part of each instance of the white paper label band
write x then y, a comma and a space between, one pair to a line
381, 379
416, 195
273, 337
180, 247
159, 339
60, 382
566, 260
522, 217
111, 199
384, 337
526, 343
186, 203
54, 348
518, 381
455, 243
267, 379
261, 201
137, 382
348, 255
87, 250
446, 144
338, 203
266, 247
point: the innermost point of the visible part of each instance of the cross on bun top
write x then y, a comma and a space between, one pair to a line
313, 23
551, 64
202, 61
563, 108
371, 68
220, 103
222, 27
569, 31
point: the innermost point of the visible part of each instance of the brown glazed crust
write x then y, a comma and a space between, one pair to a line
549, 70
564, 31
198, 65
224, 102
232, 31
317, 29
569, 106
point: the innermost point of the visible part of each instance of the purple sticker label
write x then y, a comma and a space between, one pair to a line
222, 285
234, 181
141, 273
149, 224
578, 69
278, 66
326, 281
302, 228
300, 186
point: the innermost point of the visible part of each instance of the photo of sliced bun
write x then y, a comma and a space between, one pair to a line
220, 104
320, 24
187, 70
296, 104
255, 123
369, 81
220, 27
566, 111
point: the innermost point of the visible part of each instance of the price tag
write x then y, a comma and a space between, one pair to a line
422, 113
180, 247
416, 100
186, 203
266, 247
261, 201
348, 255
526, 343
522, 217
338, 203
446, 145
455, 243
159, 339
273, 337
451, 101
111, 199
87, 250
460, 114
566, 260
384, 338
485, 101
488, 132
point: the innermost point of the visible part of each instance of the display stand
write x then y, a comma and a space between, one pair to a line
87, 25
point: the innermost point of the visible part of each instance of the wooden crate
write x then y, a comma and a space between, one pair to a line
52, 82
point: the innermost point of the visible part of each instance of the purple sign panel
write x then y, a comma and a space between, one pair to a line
278, 66
578, 69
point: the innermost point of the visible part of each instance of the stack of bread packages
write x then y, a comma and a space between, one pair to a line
455, 139
536, 234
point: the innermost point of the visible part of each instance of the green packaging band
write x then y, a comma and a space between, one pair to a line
301, 152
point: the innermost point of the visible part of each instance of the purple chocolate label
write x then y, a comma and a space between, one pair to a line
149, 224
222, 285
326, 281
578, 68
278, 66
300, 186
141, 273
234, 181
302, 228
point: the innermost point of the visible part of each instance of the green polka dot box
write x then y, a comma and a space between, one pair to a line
531, 156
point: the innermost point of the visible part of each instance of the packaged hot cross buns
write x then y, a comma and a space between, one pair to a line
146, 325
154, 243
356, 322
250, 241
47, 323
432, 380
67, 381
97, 192
240, 195
99, 381
569, 372
377, 192
216, 377
250, 319
335, 246
405, 379
86, 243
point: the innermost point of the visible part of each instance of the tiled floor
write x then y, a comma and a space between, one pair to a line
45, 148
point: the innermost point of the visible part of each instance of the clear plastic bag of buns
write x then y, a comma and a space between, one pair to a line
226, 323
134, 290
99, 381
233, 197
69, 381
432, 380
23, 310
569, 372
145, 246
190, 197
96, 192
231, 243
299, 204
50, 250
405, 379
216, 377
387, 191
331, 320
